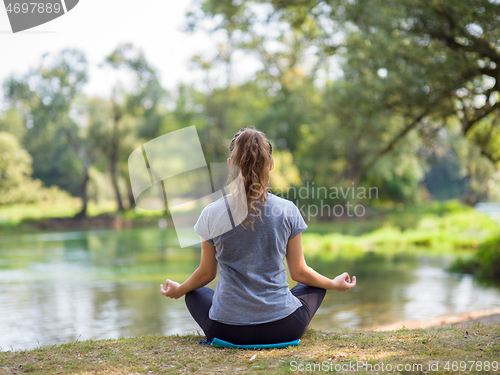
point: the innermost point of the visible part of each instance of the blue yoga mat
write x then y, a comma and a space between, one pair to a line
224, 344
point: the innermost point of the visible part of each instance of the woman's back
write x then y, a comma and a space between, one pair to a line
253, 284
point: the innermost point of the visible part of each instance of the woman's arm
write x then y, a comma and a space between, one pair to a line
302, 273
205, 273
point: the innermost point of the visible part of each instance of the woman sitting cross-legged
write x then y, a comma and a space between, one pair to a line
252, 303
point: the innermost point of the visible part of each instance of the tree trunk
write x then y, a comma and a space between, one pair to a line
83, 194
131, 200
113, 160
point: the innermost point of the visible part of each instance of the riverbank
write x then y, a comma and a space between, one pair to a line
341, 351
101, 221
60, 215
436, 225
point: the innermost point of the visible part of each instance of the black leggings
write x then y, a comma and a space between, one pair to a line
287, 329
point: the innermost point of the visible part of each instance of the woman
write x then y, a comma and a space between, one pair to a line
252, 303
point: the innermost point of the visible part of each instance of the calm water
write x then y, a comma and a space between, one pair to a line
60, 287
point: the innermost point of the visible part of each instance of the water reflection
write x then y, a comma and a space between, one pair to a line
60, 287
401, 287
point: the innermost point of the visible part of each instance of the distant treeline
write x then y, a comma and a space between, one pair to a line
400, 96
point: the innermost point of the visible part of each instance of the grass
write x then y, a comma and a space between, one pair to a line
318, 351
14, 215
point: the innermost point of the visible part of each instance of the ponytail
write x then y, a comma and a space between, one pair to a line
251, 152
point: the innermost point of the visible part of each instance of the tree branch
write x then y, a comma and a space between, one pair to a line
478, 115
390, 146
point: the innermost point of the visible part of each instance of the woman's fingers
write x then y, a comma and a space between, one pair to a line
346, 277
167, 287
354, 281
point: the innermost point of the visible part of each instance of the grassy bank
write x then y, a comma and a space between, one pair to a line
33, 215
436, 224
15, 214
405, 217
319, 352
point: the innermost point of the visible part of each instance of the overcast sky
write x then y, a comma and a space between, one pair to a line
97, 27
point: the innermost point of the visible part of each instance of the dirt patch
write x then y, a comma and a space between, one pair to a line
485, 317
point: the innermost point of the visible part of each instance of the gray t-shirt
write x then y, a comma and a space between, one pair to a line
252, 287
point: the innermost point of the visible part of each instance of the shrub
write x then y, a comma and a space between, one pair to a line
485, 263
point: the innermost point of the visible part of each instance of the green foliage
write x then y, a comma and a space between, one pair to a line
446, 207
411, 74
134, 114
45, 97
485, 263
15, 163
16, 185
458, 229
11, 121
284, 173
464, 265
141, 103
488, 258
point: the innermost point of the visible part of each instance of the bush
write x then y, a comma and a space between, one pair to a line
464, 265
16, 184
488, 258
485, 263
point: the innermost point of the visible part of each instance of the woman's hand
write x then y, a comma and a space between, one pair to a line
171, 289
205, 273
343, 282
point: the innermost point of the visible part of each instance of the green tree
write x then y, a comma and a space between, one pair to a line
404, 70
90, 138
11, 121
45, 97
16, 184
135, 112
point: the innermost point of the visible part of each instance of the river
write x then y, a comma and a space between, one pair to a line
64, 286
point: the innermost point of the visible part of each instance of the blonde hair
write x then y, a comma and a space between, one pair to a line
251, 152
